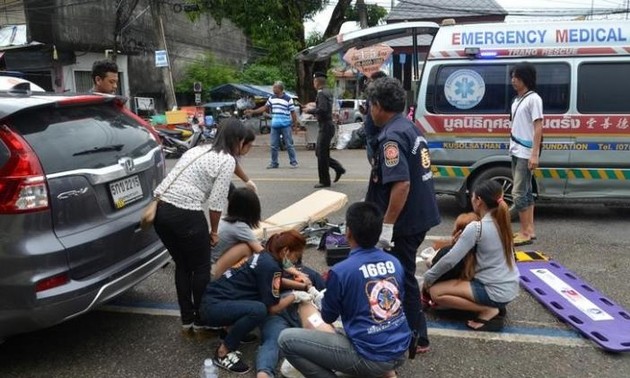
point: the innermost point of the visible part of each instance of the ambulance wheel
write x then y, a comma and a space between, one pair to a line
502, 175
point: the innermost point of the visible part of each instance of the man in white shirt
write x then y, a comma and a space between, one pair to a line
526, 116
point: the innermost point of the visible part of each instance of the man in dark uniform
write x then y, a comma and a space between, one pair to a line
323, 112
401, 184
371, 131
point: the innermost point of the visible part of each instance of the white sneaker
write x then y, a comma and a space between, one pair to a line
288, 371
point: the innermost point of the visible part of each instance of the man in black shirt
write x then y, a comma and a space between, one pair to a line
323, 112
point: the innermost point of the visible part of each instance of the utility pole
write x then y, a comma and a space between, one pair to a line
362, 9
167, 75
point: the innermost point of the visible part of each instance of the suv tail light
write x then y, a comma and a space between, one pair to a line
23, 186
52, 282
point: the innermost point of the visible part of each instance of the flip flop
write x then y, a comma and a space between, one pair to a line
493, 325
520, 240
518, 235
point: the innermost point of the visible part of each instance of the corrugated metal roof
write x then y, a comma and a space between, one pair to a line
417, 10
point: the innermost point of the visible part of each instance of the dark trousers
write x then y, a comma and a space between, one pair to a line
322, 151
405, 249
186, 235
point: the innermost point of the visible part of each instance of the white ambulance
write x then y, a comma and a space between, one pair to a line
583, 77
464, 96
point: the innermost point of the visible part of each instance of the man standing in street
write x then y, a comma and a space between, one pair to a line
104, 77
526, 115
323, 112
283, 117
401, 184
371, 131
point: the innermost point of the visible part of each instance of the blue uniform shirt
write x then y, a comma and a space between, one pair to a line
403, 155
366, 290
258, 279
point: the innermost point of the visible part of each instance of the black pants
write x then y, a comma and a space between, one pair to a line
322, 151
186, 235
405, 249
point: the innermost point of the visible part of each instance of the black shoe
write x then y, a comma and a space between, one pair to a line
231, 362
320, 185
338, 174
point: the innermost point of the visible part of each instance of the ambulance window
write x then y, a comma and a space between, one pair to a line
468, 89
603, 88
553, 81
487, 88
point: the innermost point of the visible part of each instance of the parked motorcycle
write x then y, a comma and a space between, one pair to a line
173, 146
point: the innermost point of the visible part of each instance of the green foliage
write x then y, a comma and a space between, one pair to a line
209, 72
375, 14
274, 26
263, 74
314, 38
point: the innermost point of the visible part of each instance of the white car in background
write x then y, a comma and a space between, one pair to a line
348, 110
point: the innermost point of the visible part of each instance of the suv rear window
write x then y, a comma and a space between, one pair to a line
82, 137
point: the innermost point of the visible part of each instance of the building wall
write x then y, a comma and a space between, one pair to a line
77, 25
12, 12
83, 64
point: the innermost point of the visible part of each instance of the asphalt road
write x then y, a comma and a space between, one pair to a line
138, 334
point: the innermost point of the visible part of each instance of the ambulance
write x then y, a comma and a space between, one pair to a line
464, 96
583, 76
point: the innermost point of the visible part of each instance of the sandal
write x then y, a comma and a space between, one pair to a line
493, 325
420, 349
519, 235
522, 240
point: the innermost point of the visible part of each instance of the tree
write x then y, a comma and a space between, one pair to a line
277, 27
266, 75
209, 72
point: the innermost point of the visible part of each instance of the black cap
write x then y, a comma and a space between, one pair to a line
319, 74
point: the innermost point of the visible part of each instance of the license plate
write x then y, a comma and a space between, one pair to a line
125, 191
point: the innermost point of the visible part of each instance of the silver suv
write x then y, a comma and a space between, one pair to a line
75, 173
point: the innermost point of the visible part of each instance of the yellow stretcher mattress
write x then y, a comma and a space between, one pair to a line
311, 208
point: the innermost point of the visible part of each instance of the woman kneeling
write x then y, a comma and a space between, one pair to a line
495, 282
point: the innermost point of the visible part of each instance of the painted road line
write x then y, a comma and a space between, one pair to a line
305, 179
511, 337
516, 332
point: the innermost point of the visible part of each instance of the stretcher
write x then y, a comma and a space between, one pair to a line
309, 209
577, 303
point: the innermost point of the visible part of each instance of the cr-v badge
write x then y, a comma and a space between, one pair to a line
72, 193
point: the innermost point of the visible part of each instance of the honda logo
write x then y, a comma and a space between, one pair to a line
128, 164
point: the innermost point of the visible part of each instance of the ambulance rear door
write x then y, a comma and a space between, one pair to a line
600, 164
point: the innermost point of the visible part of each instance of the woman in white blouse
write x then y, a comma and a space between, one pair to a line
202, 174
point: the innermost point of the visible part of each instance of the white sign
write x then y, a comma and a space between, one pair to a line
197, 98
144, 103
161, 58
574, 297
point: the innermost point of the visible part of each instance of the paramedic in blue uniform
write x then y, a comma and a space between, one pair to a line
401, 184
244, 295
365, 291
323, 112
